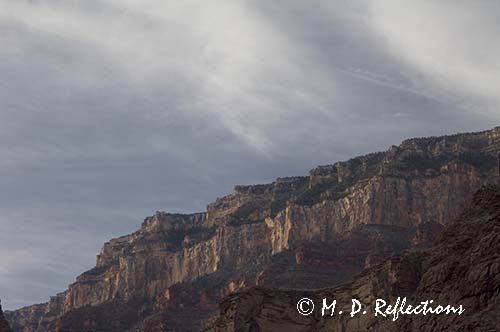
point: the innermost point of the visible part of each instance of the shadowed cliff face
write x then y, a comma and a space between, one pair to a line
4, 326
308, 232
462, 268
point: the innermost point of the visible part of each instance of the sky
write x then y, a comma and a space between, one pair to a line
113, 109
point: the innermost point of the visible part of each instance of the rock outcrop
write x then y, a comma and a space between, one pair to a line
462, 268
307, 232
4, 326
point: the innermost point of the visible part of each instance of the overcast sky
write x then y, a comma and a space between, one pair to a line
113, 109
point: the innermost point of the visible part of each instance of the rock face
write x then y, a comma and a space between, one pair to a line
308, 232
462, 268
4, 326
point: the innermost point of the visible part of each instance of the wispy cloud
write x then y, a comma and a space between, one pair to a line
112, 109
451, 42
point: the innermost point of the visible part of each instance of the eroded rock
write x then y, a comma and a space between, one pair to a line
293, 232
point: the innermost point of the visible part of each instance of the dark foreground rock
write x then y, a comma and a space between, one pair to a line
4, 326
462, 268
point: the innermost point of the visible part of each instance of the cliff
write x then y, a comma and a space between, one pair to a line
4, 326
462, 268
308, 232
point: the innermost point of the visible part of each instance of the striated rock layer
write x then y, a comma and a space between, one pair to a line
462, 268
308, 232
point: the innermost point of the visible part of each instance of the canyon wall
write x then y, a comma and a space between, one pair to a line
308, 232
461, 269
